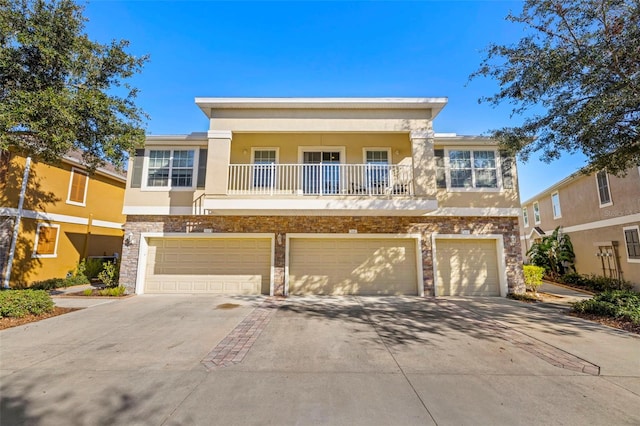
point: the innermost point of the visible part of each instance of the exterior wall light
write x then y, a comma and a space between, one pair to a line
129, 240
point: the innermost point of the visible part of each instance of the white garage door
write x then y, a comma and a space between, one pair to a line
352, 266
203, 265
467, 268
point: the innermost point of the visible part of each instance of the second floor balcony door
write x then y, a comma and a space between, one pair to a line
321, 172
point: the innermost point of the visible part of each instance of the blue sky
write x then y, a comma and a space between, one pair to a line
330, 48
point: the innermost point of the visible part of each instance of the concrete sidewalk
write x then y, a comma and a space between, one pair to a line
563, 295
202, 360
62, 297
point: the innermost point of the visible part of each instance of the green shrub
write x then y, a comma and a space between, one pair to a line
573, 278
533, 277
49, 284
88, 292
113, 291
53, 283
554, 253
595, 283
618, 304
525, 297
80, 269
599, 284
19, 303
76, 280
92, 267
110, 274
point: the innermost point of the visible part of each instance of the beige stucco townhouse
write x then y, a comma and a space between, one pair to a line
601, 214
322, 196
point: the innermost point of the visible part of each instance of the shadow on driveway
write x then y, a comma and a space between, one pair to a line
405, 320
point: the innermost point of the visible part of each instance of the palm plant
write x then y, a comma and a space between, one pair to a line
554, 253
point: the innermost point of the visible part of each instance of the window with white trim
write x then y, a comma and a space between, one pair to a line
525, 217
78, 182
377, 161
168, 168
555, 203
632, 243
46, 244
536, 213
604, 193
263, 167
473, 169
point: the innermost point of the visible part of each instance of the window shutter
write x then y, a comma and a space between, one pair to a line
136, 173
46, 240
507, 170
78, 185
202, 168
441, 179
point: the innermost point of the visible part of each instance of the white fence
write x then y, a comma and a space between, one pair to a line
320, 179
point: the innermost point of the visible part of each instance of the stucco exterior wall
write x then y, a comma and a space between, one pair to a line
587, 222
506, 226
580, 203
319, 120
289, 145
74, 244
48, 189
588, 263
92, 229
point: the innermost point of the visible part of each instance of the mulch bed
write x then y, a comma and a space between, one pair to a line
94, 293
611, 322
622, 325
8, 322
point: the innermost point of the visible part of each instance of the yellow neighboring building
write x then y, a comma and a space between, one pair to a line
68, 215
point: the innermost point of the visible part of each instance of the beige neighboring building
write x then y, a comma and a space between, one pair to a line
332, 196
601, 214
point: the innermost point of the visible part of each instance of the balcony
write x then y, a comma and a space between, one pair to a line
325, 179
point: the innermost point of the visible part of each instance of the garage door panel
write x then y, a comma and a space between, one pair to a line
224, 266
352, 266
467, 268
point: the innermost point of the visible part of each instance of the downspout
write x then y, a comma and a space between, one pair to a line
87, 238
16, 225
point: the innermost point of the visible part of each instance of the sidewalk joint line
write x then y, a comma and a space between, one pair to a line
373, 325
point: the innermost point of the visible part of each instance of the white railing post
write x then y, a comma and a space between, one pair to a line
321, 179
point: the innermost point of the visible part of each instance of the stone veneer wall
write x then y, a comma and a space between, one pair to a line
507, 226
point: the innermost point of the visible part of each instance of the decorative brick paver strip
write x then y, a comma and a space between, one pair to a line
544, 351
235, 346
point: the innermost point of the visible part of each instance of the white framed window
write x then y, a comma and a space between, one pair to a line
471, 168
555, 203
525, 217
632, 243
536, 213
264, 160
604, 194
170, 169
78, 185
46, 243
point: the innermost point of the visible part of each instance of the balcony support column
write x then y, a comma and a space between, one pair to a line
424, 170
218, 159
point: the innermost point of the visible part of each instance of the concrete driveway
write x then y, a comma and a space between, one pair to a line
206, 360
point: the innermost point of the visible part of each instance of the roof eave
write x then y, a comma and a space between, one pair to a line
206, 104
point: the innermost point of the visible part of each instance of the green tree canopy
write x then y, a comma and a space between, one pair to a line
578, 62
60, 91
